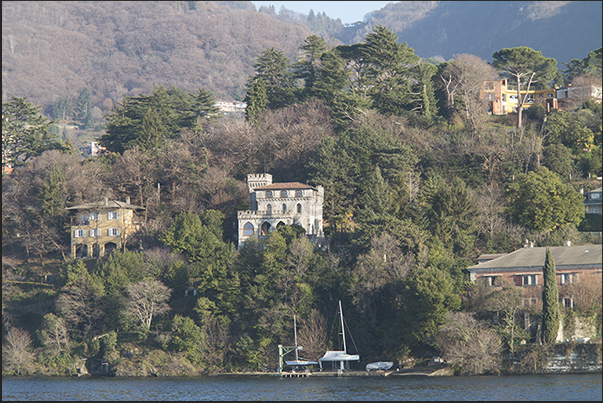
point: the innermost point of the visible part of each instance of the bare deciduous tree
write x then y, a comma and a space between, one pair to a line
465, 76
54, 334
312, 335
147, 299
16, 350
81, 305
467, 344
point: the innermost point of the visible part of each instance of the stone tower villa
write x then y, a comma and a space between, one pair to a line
274, 204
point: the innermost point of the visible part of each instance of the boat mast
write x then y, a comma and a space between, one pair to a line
295, 337
342, 328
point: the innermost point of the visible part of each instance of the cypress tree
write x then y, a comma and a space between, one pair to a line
550, 300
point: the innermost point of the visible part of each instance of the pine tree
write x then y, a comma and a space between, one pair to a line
257, 100
550, 301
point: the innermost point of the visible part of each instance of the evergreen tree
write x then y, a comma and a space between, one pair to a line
387, 76
84, 105
53, 193
257, 100
308, 64
272, 67
25, 132
550, 300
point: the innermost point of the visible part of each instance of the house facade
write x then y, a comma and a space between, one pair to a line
523, 268
98, 228
274, 204
502, 97
593, 202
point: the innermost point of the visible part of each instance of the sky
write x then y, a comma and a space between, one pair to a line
348, 11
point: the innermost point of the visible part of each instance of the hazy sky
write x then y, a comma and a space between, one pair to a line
348, 11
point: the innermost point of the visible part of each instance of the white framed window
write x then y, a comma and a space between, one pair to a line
113, 215
568, 302
94, 232
113, 231
527, 279
565, 278
79, 233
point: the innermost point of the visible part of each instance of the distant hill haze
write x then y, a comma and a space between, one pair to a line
116, 49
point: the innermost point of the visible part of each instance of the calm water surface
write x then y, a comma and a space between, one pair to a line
524, 387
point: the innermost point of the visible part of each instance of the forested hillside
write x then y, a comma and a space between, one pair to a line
51, 51
419, 181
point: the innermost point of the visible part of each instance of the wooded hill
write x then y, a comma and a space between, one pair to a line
115, 49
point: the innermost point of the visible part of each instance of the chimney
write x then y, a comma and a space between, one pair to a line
106, 201
568, 243
127, 200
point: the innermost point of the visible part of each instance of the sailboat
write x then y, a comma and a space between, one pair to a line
339, 356
298, 361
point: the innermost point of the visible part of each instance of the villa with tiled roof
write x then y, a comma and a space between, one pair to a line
274, 204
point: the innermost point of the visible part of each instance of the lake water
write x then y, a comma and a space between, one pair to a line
523, 387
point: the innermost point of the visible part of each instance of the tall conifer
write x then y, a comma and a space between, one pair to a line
550, 300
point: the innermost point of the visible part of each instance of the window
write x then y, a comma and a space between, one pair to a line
299, 210
92, 217
113, 231
269, 209
248, 229
504, 97
269, 194
298, 193
284, 208
79, 233
565, 278
568, 302
283, 193
493, 281
94, 232
113, 215
595, 195
526, 279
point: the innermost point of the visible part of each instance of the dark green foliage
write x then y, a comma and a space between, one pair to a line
148, 121
589, 66
54, 194
256, 99
272, 67
25, 132
307, 67
451, 214
592, 223
550, 300
541, 201
429, 296
558, 159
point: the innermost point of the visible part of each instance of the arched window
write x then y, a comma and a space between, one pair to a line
298, 193
268, 194
266, 228
284, 208
269, 209
248, 229
283, 193
298, 208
